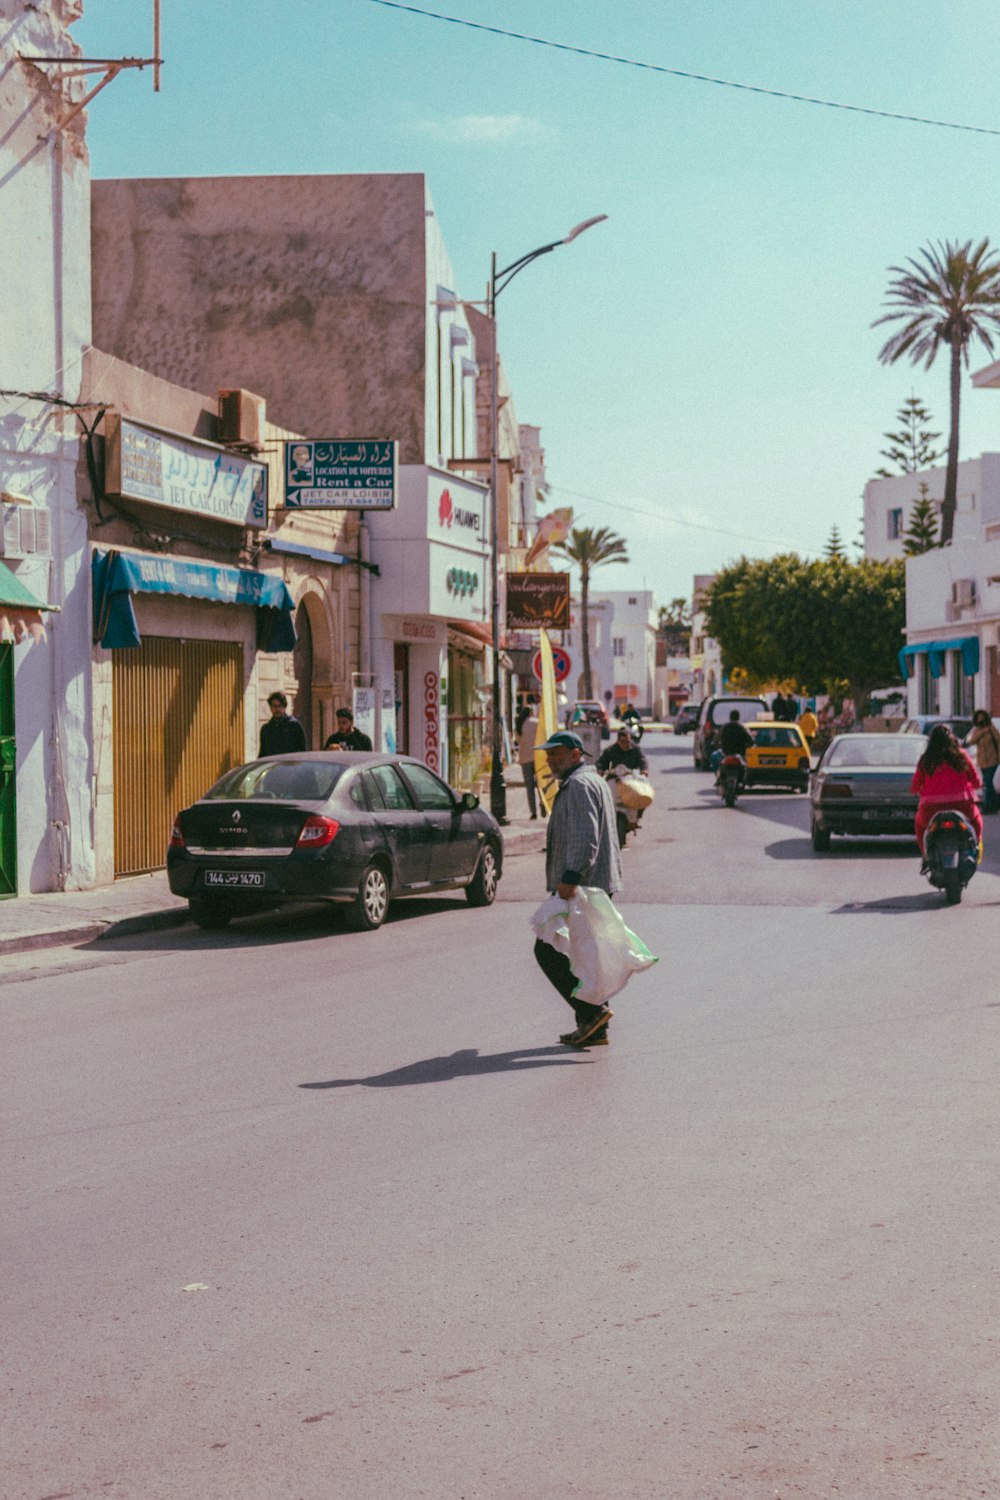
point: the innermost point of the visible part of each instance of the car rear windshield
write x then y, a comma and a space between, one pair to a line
769, 735
279, 780
888, 750
748, 709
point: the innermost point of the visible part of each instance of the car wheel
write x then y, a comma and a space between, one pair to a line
482, 888
820, 839
369, 907
210, 915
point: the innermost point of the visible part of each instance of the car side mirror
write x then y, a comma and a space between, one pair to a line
469, 802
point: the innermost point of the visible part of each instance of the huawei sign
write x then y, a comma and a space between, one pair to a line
450, 514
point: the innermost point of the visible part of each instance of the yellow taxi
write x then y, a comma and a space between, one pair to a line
779, 755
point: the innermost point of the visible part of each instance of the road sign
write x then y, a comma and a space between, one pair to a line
560, 660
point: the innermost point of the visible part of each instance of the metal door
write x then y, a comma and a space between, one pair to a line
8, 792
178, 725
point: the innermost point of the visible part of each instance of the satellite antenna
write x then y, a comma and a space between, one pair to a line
110, 67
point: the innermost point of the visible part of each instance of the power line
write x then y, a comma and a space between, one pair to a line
740, 536
725, 83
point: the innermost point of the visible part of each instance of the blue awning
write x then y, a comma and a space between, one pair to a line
117, 575
935, 650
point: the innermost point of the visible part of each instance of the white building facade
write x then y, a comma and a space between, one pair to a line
633, 646
46, 766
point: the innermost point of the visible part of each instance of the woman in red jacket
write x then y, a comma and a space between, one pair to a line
946, 777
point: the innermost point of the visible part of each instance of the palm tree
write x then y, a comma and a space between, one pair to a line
949, 295
589, 549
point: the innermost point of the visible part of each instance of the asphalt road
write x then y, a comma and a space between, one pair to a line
298, 1212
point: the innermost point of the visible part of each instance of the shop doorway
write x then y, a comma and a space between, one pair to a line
8, 784
178, 725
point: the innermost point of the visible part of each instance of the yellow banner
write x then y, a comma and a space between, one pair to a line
548, 722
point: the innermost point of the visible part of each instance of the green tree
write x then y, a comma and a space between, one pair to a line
674, 626
834, 546
949, 295
590, 549
922, 533
818, 623
912, 447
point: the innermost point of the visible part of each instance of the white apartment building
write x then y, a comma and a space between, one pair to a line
633, 645
889, 502
706, 657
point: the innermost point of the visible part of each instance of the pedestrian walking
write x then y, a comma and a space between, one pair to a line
581, 850
984, 736
282, 734
526, 758
809, 724
345, 736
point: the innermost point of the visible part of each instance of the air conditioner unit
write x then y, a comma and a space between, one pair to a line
241, 418
963, 592
26, 532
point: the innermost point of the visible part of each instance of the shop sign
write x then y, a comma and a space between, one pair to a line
432, 721
456, 513
457, 584
183, 474
337, 475
537, 600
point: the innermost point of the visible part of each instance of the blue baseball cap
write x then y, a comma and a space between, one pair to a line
564, 737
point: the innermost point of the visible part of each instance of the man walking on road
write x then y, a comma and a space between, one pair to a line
528, 733
581, 849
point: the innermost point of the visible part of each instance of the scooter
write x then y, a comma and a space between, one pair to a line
731, 779
951, 853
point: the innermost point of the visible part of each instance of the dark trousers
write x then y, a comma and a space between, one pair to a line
529, 785
555, 967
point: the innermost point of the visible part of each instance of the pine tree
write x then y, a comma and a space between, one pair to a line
912, 447
835, 547
922, 533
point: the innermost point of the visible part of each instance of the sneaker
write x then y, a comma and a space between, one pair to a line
588, 1029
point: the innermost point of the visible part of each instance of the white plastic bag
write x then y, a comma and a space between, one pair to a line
603, 953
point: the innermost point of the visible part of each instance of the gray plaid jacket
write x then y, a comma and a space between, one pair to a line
582, 843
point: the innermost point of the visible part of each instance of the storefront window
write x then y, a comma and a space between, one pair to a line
928, 686
467, 749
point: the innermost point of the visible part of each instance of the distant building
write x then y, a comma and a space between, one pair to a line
633, 645
706, 656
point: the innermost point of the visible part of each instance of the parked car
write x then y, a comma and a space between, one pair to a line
924, 723
686, 718
862, 786
588, 711
779, 756
343, 826
714, 713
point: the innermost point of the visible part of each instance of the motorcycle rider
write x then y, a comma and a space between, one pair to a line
945, 778
624, 752
734, 739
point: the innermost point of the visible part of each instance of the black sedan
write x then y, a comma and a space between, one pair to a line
337, 826
862, 786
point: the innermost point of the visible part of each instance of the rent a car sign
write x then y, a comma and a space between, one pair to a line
341, 474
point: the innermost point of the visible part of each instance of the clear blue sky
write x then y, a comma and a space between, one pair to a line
702, 365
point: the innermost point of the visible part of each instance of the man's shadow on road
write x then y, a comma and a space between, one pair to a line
466, 1063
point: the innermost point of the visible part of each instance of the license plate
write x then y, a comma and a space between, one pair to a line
771, 760
235, 877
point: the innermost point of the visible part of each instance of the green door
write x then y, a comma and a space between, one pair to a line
8, 799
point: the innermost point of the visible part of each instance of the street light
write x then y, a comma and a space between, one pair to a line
499, 280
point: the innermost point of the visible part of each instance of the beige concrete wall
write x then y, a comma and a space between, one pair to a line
312, 291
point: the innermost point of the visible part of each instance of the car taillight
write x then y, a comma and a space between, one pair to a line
834, 789
317, 832
176, 836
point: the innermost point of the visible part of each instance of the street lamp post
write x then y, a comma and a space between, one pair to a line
499, 280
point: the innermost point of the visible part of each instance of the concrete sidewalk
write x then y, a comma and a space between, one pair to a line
144, 903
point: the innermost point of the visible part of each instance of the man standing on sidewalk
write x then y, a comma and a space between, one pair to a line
581, 849
528, 733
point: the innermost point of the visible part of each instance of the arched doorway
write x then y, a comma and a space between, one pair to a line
302, 666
